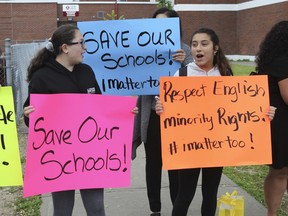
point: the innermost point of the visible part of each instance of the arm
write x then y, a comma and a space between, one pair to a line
179, 55
189, 57
137, 129
159, 107
34, 87
271, 112
28, 110
283, 86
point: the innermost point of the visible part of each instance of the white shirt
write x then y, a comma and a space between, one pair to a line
194, 70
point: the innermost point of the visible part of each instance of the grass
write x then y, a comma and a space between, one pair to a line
251, 178
241, 70
28, 206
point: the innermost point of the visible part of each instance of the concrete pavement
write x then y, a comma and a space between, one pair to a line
133, 201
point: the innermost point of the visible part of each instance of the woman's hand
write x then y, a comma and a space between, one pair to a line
135, 110
271, 112
179, 55
28, 110
159, 107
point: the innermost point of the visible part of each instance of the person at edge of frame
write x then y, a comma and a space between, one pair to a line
271, 60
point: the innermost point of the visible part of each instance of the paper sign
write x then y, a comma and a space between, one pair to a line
10, 163
129, 56
78, 141
215, 121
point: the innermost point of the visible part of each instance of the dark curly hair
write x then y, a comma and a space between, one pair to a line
274, 45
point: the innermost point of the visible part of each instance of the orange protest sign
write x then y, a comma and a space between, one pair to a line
215, 121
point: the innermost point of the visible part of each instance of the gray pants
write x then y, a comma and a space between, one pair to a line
93, 200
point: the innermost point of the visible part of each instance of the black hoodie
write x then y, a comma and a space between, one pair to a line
54, 78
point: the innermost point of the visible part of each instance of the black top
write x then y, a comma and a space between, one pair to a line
277, 71
54, 78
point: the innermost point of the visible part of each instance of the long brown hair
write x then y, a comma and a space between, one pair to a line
63, 35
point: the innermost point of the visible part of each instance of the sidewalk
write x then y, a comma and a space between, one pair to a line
133, 201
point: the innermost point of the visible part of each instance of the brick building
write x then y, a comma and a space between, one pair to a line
240, 24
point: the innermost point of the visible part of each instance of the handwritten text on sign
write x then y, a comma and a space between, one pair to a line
215, 121
78, 145
129, 56
10, 164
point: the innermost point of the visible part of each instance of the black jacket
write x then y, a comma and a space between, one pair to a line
54, 78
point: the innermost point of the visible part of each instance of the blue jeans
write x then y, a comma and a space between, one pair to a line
93, 200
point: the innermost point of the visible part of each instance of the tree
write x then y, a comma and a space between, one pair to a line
113, 16
165, 3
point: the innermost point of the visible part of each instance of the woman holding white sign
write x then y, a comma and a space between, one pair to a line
147, 130
209, 60
58, 68
272, 60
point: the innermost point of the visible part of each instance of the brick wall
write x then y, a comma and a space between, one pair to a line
242, 1
89, 12
252, 25
5, 22
205, 1
191, 21
33, 21
138, 11
239, 32
26, 22
119, 0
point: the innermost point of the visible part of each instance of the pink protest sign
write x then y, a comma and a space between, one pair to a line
78, 141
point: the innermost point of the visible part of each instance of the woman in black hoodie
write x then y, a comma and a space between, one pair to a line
58, 68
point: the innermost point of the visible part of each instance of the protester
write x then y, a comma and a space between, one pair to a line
272, 60
209, 60
58, 68
147, 130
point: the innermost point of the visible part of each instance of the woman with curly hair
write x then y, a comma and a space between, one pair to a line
272, 60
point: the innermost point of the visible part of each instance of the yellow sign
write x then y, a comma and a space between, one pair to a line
10, 164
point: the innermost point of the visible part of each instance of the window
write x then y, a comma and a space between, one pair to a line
100, 14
